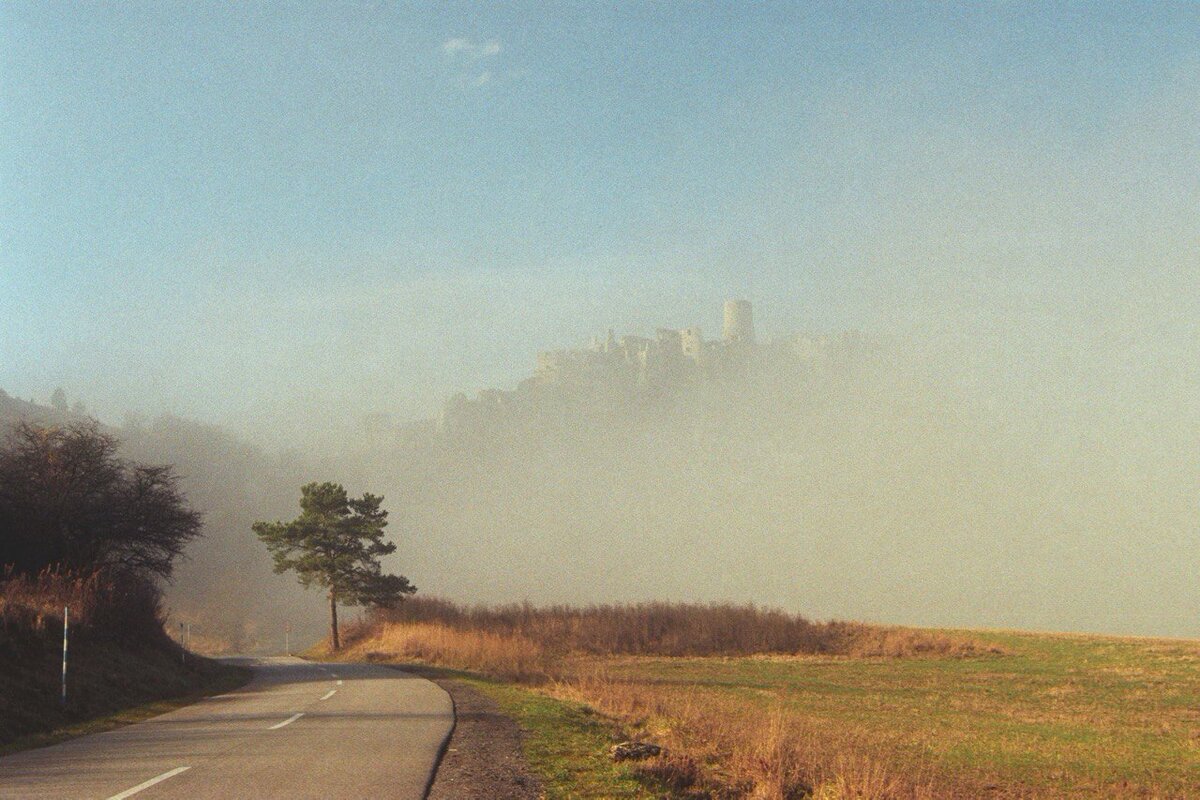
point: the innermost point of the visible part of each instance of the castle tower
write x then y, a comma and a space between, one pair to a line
739, 322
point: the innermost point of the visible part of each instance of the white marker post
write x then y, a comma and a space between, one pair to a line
66, 627
287, 638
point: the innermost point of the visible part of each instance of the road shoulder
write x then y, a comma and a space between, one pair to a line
483, 759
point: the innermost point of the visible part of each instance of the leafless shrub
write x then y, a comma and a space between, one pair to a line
677, 629
67, 500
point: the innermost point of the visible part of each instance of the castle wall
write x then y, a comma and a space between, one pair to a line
607, 376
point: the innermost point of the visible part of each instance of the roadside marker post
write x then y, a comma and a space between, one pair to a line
182, 646
66, 627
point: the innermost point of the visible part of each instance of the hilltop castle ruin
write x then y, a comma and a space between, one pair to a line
671, 357
613, 370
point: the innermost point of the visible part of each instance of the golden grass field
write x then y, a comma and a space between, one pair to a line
868, 712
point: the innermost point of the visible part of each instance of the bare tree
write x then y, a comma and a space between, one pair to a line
68, 500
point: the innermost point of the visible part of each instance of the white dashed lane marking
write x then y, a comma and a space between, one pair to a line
287, 721
149, 783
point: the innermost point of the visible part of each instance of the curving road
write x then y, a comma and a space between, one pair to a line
297, 730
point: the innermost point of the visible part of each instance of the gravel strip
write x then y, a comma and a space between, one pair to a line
483, 760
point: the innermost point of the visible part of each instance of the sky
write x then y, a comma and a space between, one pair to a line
279, 218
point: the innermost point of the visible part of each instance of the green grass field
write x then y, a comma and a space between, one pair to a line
1056, 716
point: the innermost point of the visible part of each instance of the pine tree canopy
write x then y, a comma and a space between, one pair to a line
336, 544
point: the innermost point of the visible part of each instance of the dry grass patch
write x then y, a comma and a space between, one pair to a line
510, 657
718, 743
721, 746
663, 629
124, 607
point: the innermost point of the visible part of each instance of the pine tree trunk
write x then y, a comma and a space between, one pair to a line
333, 629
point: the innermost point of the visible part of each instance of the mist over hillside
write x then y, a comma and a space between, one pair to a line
837, 475
224, 586
833, 475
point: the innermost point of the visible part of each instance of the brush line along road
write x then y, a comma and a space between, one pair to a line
297, 730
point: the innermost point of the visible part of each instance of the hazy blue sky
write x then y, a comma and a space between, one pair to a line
303, 212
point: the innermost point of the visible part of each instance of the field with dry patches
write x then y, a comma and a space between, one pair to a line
1053, 717
888, 713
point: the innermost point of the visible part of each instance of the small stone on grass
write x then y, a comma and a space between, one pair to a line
634, 751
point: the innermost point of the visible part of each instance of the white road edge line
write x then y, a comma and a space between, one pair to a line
287, 721
149, 783
329, 694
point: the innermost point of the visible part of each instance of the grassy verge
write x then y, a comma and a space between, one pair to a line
224, 680
566, 743
109, 685
122, 668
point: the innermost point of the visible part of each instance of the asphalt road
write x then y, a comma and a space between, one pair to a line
298, 730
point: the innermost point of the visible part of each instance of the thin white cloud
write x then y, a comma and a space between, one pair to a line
460, 47
468, 56
454, 46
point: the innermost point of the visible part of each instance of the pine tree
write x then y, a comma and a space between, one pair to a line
335, 544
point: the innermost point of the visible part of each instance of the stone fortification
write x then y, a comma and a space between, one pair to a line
614, 371
739, 322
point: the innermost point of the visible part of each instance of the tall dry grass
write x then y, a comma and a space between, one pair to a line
124, 607
670, 629
507, 656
